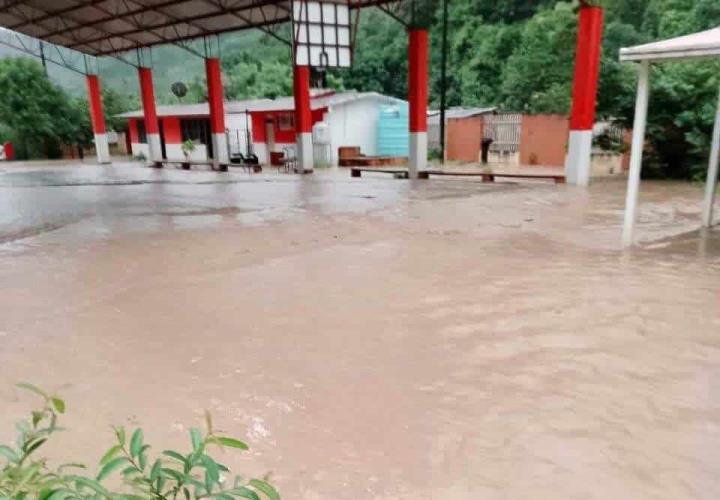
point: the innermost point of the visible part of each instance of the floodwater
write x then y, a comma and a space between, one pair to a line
371, 338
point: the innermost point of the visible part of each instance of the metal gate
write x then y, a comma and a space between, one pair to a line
504, 130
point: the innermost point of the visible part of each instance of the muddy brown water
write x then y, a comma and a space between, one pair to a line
371, 338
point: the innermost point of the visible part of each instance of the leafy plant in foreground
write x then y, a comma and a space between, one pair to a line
171, 476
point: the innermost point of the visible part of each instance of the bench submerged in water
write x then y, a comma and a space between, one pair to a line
398, 173
485, 176
490, 176
187, 164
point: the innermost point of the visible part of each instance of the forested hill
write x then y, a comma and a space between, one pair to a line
515, 54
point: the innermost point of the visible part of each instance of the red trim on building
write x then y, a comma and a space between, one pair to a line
147, 93
418, 79
587, 68
301, 92
171, 130
215, 95
133, 131
97, 117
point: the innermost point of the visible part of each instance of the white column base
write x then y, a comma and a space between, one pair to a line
154, 147
304, 153
220, 148
418, 153
577, 162
102, 149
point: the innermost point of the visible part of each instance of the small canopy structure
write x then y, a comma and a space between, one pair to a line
705, 44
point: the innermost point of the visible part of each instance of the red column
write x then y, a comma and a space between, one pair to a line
418, 79
97, 116
301, 92
303, 118
147, 95
587, 68
215, 95
418, 99
217, 109
152, 129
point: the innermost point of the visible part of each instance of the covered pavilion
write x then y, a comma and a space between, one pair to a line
703, 45
323, 34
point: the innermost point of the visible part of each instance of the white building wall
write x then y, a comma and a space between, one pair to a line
140, 148
354, 124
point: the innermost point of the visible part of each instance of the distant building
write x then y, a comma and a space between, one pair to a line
352, 118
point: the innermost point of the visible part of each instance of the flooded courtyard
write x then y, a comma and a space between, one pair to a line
371, 338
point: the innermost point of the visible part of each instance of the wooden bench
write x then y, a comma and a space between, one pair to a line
187, 164
397, 173
490, 176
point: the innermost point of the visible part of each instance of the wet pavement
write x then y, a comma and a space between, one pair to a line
372, 337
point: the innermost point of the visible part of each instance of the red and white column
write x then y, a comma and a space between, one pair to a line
216, 102
418, 98
303, 119
152, 129
584, 98
97, 118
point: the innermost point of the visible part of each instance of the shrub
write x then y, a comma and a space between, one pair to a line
173, 475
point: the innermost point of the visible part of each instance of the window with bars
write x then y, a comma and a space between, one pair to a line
195, 130
142, 136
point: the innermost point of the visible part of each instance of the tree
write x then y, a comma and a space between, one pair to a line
40, 115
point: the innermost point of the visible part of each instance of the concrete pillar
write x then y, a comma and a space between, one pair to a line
216, 102
584, 97
303, 119
636, 154
418, 99
712, 175
97, 118
152, 129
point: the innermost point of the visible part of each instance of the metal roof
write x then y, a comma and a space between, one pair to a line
459, 113
319, 101
697, 45
109, 27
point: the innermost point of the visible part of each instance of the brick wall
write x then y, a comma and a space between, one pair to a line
543, 140
464, 136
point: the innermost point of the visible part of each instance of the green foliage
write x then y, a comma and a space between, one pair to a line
169, 476
188, 147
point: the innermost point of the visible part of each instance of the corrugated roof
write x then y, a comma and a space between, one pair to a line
321, 99
697, 45
106, 27
450, 113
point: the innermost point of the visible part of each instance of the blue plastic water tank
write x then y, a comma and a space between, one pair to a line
393, 134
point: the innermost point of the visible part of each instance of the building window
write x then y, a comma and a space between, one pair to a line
142, 136
195, 130
286, 121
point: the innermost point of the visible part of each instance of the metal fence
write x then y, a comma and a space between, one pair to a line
504, 130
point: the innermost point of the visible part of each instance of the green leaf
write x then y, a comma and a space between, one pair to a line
60, 495
231, 442
71, 466
33, 445
111, 466
243, 492
175, 455
208, 481
59, 404
196, 438
136, 443
93, 485
130, 470
37, 417
33, 388
142, 459
172, 473
211, 467
265, 488
155, 471
110, 454
186, 492
9, 453
223, 496
120, 433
